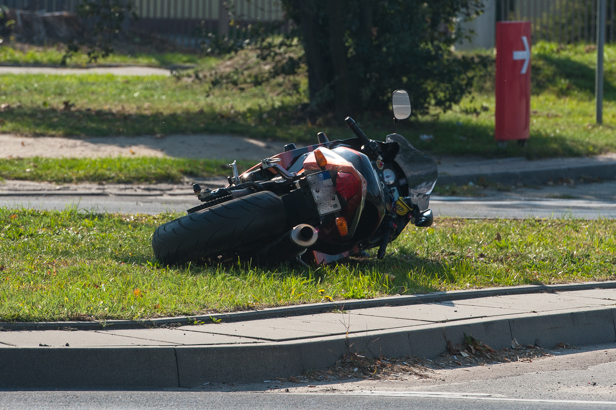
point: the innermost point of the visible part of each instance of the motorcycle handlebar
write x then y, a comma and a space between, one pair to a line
369, 147
360, 134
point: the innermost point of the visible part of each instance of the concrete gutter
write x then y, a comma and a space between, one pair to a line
275, 348
511, 171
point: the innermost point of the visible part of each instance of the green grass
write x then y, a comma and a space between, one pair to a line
110, 105
27, 55
76, 265
114, 169
239, 96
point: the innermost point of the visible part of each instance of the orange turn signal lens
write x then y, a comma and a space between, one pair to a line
321, 160
342, 226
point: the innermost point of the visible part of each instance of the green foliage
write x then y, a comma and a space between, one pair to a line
238, 38
108, 17
566, 21
6, 23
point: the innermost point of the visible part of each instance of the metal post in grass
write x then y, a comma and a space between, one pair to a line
601, 11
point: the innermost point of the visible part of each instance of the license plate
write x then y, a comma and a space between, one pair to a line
324, 192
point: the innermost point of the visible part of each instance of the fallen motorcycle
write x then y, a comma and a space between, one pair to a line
320, 203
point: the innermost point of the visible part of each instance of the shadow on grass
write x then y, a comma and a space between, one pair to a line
255, 122
567, 77
377, 271
451, 137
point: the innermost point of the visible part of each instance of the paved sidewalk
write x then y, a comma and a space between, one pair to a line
238, 349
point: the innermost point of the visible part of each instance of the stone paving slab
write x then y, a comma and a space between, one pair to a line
179, 337
544, 302
258, 330
602, 294
439, 312
339, 323
293, 328
75, 339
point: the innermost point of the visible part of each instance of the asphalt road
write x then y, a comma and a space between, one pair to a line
570, 379
490, 207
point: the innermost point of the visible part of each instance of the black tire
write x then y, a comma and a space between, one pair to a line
220, 229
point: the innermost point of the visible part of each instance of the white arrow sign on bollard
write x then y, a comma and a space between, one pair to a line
523, 55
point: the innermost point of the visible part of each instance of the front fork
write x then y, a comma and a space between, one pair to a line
395, 224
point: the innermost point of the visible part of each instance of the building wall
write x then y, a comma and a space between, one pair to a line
484, 27
264, 10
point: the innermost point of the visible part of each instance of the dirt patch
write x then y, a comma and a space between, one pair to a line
471, 354
177, 146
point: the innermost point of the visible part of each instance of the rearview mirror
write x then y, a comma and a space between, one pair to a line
401, 104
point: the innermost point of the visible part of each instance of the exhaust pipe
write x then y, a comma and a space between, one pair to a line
303, 235
291, 244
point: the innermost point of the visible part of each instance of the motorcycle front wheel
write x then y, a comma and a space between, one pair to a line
220, 229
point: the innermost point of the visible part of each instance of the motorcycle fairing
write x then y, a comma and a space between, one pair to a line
322, 258
289, 157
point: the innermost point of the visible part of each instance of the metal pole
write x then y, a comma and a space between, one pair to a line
586, 28
612, 24
601, 11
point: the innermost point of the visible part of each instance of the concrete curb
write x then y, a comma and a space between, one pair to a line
534, 176
308, 309
173, 367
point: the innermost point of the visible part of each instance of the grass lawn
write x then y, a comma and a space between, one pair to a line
75, 265
28, 55
240, 96
114, 170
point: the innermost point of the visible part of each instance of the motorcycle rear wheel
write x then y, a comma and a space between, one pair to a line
220, 229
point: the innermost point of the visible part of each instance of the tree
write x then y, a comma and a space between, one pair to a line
359, 51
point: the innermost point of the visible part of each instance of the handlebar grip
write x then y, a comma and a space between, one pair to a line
360, 134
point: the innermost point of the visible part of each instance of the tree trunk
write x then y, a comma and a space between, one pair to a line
317, 75
342, 82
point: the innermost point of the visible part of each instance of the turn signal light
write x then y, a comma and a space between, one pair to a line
342, 226
321, 160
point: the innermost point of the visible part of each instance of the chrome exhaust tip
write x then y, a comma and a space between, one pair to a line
304, 235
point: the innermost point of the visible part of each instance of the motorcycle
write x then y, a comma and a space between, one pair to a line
318, 204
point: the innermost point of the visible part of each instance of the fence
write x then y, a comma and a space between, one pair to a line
177, 20
562, 21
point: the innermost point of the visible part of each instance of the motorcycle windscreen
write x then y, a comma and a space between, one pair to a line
419, 169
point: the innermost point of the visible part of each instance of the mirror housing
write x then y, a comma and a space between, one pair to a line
401, 104
425, 219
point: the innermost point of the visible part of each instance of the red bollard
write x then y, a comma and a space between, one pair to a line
512, 80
